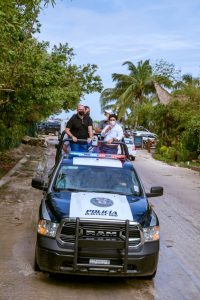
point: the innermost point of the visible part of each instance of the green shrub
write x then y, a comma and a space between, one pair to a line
3, 133
158, 157
10, 137
191, 137
183, 155
163, 150
171, 154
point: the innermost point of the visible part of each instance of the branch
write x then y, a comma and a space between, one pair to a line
2, 102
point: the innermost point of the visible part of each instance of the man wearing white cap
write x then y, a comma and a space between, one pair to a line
111, 133
105, 121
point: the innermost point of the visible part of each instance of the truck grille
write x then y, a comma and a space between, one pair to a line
99, 230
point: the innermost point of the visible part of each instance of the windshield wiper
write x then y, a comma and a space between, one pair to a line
104, 191
69, 190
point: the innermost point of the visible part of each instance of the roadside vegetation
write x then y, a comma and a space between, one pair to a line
160, 99
36, 82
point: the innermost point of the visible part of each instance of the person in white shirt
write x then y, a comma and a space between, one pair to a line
113, 132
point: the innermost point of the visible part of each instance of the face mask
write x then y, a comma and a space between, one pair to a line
81, 113
112, 123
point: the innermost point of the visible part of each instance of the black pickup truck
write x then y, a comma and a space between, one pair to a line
49, 127
95, 218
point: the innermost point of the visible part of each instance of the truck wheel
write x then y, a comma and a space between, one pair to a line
149, 277
35, 265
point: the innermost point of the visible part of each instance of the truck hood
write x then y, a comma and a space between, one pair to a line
92, 205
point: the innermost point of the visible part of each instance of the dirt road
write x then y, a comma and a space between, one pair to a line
178, 275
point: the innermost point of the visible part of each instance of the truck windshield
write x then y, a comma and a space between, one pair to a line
97, 179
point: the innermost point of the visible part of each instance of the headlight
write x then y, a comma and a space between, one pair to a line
151, 233
47, 228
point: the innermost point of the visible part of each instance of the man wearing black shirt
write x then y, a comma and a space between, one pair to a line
80, 127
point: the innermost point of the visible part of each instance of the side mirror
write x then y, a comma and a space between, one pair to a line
155, 191
39, 184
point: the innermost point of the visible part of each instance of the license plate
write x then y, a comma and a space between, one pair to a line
93, 261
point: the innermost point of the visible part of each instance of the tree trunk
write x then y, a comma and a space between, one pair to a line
136, 122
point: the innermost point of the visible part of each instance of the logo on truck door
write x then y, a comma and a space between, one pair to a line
101, 202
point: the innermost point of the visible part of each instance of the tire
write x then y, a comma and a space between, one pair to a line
35, 265
150, 277
53, 275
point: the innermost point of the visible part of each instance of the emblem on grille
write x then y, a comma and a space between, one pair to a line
101, 202
100, 233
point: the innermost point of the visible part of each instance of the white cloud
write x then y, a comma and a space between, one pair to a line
109, 33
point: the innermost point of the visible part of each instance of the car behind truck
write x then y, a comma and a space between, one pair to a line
49, 127
95, 218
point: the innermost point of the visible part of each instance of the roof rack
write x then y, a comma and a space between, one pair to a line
124, 150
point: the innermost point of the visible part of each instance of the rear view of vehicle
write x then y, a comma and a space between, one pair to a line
149, 138
52, 127
41, 127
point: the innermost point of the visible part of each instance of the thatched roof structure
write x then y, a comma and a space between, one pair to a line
163, 96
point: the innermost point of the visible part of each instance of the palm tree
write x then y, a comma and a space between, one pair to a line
133, 89
188, 90
188, 81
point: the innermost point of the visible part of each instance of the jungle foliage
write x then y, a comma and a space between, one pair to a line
177, 123
35, 82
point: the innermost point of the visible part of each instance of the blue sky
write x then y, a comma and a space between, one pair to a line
109, 32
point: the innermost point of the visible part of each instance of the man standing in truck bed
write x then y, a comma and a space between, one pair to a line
80, 127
